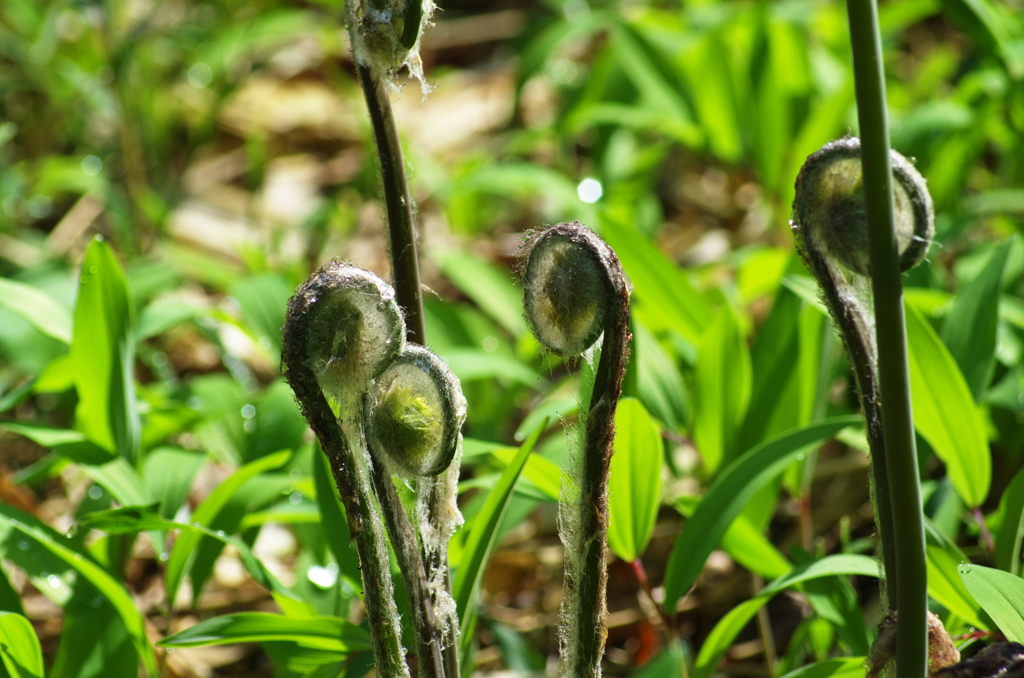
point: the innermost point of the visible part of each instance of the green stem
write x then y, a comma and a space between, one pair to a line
894, 378
397, 202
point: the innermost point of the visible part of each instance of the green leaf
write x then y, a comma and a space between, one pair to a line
324, 633
722, 391
666, 297
119, 478
44, 538
19, 647
481, 541
133, 519
730, 493
970, 328
637, 59
1000, 594
725, 632
263, 300
10, 601
1011, 528
659, 385
845, 667
634, 486
744, 542
168, 473
103, 354
753, 550
332, 513
946, 586
37, 308
669, 664
185, 548
945, 413
470, 364
489, 287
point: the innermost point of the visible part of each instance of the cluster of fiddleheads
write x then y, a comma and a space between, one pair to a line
383, 408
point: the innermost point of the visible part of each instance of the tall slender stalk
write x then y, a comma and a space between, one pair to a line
397, 201
890, 328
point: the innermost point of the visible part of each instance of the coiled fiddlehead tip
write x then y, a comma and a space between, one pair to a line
344, 325
829, 212
416, 414
569, 286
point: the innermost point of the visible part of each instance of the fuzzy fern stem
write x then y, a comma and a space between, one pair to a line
575, 291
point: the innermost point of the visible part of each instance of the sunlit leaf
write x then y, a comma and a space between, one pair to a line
634, 487
727, 496
945, 413
36, 307
481, 540
20, 652
1000, 594
103, 354
722, 390
726, 630
324, 633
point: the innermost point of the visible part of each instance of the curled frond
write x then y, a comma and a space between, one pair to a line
829, 209
344, 326
417, 413
570, 287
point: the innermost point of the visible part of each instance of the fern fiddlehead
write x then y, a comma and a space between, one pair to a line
575, 291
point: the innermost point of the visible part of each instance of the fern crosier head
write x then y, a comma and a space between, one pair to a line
415, 414
829, 214
569, 287
345, 326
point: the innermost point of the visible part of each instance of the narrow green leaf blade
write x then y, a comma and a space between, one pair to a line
325, 633
1000, 594
844, 667
481, 541
659, 285
186, 546
45, 538
1011, 529
730, 493
488, 286
103, 354
19, 647
725, 632
634, 486
947, 587
723, 390
37, 308
945, 413
970, 328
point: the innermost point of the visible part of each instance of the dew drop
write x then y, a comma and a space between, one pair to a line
54, 581
220, 533
94, 269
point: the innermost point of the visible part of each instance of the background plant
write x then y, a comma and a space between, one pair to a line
691, 119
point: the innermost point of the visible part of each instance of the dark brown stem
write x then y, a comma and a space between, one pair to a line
365, 527
397, 202
599, 435
414, 575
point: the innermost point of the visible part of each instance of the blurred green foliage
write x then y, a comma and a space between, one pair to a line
219, 147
